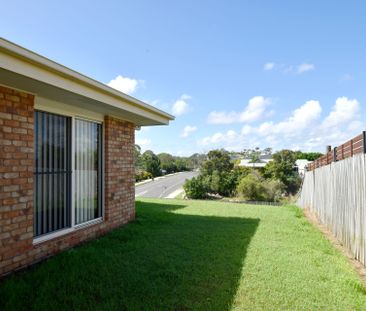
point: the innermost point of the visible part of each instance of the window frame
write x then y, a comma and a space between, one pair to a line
74, 227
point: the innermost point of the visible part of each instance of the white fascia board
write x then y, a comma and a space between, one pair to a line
24, 62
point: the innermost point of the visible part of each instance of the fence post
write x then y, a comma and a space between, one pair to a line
335, 154
351, 147
342, 146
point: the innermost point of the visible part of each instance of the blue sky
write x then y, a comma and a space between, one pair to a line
237, 74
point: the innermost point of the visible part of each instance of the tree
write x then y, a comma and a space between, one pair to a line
151, 163
282, 169
167, 162
267, 151
182, 164
217, 160
196, 160
220, 175
310, 156
255, 156
137, 156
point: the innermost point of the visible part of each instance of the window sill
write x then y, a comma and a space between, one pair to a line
57, 234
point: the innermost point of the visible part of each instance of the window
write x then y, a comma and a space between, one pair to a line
67, 171
87, 171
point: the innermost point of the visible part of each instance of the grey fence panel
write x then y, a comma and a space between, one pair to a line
336, 194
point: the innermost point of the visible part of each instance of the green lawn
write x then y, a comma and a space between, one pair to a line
195, 255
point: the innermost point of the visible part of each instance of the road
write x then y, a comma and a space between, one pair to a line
164, 187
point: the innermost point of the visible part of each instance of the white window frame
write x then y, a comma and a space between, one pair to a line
73, 227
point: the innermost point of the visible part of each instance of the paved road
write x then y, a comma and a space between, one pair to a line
164, 187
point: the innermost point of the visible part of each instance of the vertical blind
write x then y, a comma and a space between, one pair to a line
87, 171
52, 200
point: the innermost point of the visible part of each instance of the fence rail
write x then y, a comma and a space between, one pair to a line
350, 148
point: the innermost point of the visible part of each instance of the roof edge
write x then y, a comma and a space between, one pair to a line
42, 61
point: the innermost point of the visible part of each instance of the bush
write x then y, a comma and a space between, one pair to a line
142, 175
282, 168
251, 188
273, 190
225, 183
196, 188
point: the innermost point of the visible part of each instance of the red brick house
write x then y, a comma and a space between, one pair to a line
66, 156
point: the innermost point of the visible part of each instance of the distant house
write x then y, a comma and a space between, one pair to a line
261, 162
301, 165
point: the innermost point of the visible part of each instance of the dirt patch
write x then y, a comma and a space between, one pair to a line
359, 267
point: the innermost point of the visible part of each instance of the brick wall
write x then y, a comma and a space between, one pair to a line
16, 184
119, 171
16, 177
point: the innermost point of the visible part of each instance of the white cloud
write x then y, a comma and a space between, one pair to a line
269, 66
181, 106
305, 67
288, 69
247, 129
125, 84
216, 138
344, 110
188, 130
230, 140
231, 135
305, 128
186, 97
252, 112
356, 126
221, 117
300, 118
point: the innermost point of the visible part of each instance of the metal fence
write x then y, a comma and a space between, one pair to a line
336, 194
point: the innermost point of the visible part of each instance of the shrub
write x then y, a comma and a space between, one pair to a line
225, 183
251, 188
282, 168
196, 188
273, 190
142, 175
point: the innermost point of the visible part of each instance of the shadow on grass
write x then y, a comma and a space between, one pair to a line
162, 261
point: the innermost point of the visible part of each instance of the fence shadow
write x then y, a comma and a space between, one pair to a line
162, 261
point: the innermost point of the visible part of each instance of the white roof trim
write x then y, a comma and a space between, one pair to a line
44, 63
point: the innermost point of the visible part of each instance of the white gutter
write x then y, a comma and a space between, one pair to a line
45, 63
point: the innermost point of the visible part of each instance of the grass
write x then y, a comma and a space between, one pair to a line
195, 255
181, 195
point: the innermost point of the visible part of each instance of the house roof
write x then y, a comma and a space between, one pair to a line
248, 163
264, 157
25, 70
302, 163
